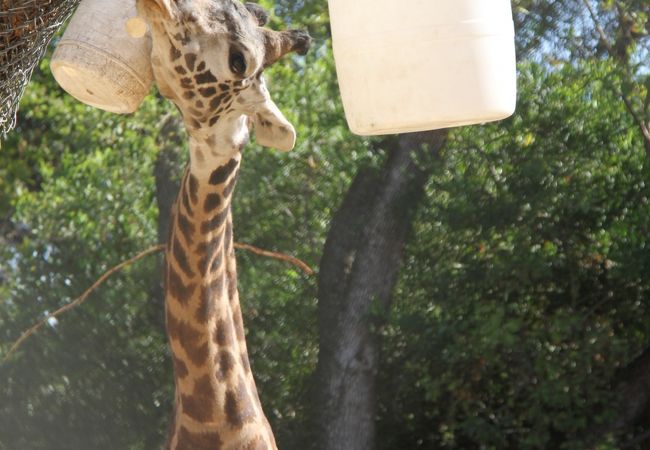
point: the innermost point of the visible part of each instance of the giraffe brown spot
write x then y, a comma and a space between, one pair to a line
197, 125
174, 53
216, 263
195, 112
238, 406
181, 331
199, 406
215, 223
187, 228
190, 60
181, 258
198, 104
202, 265
225, 363
186, 204
209, 296
224, 87
221, 174
208, 91
182, 38
188, 95
198, 354
223, 333
194, 188
208, 248
186, 83
205, 77
180, 368
177, 288
212, 202
214, 119
201, 66
230, 186
216, 101
180, 70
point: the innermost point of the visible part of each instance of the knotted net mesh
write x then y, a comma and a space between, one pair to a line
26, 28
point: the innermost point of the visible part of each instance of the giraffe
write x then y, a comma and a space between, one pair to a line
207, 58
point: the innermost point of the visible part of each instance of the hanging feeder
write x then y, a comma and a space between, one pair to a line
415, 65
98, 62
402, 66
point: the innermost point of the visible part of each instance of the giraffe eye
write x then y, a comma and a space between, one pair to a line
237, 63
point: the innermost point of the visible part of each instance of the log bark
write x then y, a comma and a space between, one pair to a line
358, 272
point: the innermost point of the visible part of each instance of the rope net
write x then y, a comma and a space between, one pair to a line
26, 28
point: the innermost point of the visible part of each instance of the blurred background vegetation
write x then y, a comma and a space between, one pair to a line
519, 317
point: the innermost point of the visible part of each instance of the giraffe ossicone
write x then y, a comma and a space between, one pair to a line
208, 57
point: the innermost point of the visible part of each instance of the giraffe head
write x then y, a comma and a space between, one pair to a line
208, 57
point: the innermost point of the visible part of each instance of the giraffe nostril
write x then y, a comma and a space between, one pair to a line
237, 63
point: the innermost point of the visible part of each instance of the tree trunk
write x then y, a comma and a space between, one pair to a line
358, 272
167, 173
632, 391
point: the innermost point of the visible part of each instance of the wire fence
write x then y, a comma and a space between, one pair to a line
26, 28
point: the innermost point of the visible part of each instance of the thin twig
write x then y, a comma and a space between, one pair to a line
79, 300
290, 259
645, 130
151, 250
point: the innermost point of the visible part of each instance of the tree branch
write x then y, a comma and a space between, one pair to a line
150, 251
645, 129
279, 256
79, 300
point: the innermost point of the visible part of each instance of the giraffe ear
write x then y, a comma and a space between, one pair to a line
272, 129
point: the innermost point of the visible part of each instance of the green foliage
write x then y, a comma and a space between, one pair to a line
525, 287
523, 292
80, 184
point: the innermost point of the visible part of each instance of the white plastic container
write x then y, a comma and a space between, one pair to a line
415, 65
98, 63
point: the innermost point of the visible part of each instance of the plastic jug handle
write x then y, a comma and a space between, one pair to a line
136, 27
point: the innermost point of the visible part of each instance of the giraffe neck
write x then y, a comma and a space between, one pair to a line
217, 406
